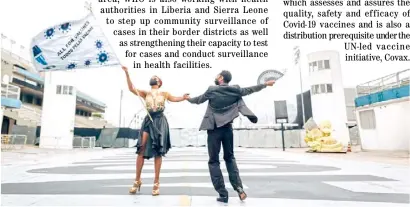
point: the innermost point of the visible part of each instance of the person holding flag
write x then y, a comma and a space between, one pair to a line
81, 44
155, 137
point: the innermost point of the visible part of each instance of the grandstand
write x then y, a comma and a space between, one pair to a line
22, 96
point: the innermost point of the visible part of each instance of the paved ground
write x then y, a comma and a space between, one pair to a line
270, 177
386, 157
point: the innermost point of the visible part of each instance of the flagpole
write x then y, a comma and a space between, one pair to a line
119, 124
21, 51
297, 61
88, 6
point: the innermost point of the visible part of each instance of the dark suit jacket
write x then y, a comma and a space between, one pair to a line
224, 105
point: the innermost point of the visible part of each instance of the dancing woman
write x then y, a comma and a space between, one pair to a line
154, 140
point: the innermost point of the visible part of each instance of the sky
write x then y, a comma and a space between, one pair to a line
24, 19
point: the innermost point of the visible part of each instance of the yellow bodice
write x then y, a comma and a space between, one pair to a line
155, 100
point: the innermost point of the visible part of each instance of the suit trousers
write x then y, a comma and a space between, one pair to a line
216, 137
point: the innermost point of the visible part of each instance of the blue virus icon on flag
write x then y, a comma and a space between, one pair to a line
98, 44
66, 27
71, 66
102, 57
48, 34
37, 53
87, 63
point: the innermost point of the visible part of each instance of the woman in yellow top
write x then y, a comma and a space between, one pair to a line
154, 140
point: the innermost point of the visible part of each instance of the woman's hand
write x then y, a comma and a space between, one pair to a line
125, 69
133, 90
186, 96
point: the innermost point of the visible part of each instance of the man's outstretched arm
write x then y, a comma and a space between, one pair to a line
249, 90
199, 99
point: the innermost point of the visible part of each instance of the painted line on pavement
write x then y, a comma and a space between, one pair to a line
168, 201
69, 177
191, 185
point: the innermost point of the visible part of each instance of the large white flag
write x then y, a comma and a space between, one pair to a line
72, 45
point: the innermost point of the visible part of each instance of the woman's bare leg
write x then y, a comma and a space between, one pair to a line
139, 164
157, 163
140, 158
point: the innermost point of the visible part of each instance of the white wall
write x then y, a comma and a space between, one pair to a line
58, 113
350, 95
392, 131
330, 106
261, 138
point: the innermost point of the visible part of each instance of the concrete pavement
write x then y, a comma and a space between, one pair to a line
270, 177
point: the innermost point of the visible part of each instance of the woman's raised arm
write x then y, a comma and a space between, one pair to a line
131, 86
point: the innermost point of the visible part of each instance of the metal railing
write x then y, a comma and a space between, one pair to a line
10, 141
78, 142
16, 56
84, 142
10, 91
394, 80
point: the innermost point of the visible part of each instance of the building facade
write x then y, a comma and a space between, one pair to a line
22, 97
383, 109
328, 93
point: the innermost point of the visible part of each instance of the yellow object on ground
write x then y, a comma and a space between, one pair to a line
319, 139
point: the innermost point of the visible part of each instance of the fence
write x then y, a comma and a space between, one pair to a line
11, 141
78, 142
256, 136
10, 91
84, 142
252, 137
15, 56
394, 80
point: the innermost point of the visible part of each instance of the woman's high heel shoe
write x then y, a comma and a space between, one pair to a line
136, 187
155, 192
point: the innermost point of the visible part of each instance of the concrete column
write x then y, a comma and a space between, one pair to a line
58, 112
329, 105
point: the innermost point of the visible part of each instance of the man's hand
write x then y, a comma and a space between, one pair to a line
125, 69
186, 96
269, 83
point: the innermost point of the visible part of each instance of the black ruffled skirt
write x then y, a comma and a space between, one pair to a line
158, 142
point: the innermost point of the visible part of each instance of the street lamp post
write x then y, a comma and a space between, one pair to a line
297, 62
138, 118
119, 124
21, 51
11, 46
2, 38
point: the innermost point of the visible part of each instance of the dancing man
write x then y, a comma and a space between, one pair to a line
224, 105
154, 140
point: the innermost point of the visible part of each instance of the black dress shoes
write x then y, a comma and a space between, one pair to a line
242, 195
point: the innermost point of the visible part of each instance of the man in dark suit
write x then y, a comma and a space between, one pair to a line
224, 105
